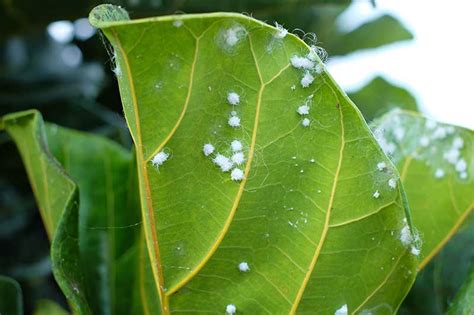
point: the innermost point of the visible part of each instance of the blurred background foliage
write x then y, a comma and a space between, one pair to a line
52, 60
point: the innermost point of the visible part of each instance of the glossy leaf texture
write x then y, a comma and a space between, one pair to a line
11, 301
379, 97
436, 163
47, 307
95, 231
309, 226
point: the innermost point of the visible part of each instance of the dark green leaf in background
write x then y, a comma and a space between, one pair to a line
11, 301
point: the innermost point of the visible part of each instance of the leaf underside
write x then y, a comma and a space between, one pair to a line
304, 217
436, 163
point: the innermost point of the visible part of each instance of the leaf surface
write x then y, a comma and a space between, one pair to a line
11, 301
436, 163
463, 304
95, 231
303, 218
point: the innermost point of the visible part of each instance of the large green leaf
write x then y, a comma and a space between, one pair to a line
46, 307
11, 301
380, 96
464, 302
100, 238
304, 218
436, 162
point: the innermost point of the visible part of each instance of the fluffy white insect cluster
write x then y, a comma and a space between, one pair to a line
303, 110
233, 98
281, 31
208, 149
230, 309
381, 166
392, 183
237, 174
376, 194
310, 64
160, 158
226, 163
305, 122
234, 121
453, 157
343, 310
233, 35
223, 162
236, 146
244, 267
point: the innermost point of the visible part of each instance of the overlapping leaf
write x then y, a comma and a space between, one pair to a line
436, 162
11, 301
315, 220
95, 244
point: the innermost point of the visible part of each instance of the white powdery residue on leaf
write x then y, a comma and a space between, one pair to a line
405, 235
237, 174
415, 251
281, 31
244, 267
178, 23
307, 80
439, 173
319, 68
236, 145
452, 155
376, 194
238, 158
234, 121
430, 124
160, 158
424, 141
233, 35
208, 149
230, 309
343, 310
458, 143
439, 133
399, 133
233, 98
301, 62
223, 162
461, 165
303, 110
381, 166
392, 183
305, 122
387, 147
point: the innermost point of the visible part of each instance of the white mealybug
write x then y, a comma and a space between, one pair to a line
458, 143
303, 110
381, 166
237, 174
399, 133
238, 158
159, 158
233, 98
461, 165
452, 155
415, 251
301, 62
234, 121
342, 310
233, 35
208, 149
305, 122
230, 309
236, 145
307, 80
405, 236
392, 183
439, 173
281, 31
233, 113
293, 87
244, 267
424, 141
439, 133
430, 124
223, 162
177, 23
376, 194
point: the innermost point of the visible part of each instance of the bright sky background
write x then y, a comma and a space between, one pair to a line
437, 66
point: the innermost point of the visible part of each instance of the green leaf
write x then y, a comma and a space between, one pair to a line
304, 217
381, 31
464, 302
95, 259
11, 301
436, 162
46, 307
380, 96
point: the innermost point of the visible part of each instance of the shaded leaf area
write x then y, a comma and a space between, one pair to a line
380, 96
95, 242
436, 163
303, 218
464, 302
440, 281
11, 301
46, 307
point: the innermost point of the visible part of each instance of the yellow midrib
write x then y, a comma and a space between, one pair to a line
312, 265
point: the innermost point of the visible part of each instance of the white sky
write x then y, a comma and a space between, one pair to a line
437, 66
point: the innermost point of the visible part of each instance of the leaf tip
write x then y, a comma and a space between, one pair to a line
103, 14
